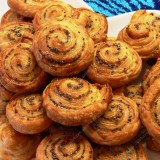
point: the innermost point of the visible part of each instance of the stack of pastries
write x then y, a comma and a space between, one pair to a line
67, 90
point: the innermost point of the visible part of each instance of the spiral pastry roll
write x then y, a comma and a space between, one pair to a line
19, 71
14, 32
134, 92
150, 109
115, 63
64, 145
74, 101
14, 145
63, 48
151, 75
5, 96
118, 125
122, 152
26, 114
152, 144
143, 16
97, 25
142, 37
57, 10
11, 16
27, 8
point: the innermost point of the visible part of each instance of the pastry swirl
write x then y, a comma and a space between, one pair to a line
15, 32
150, 109
26, 114
5, 96
151, 75
118, 125
142, 37
74, 101
27, 8
122, 152
19, 71
57, 10
11, 16
115, 63
63, 48
14, 145
97, 25
64, 145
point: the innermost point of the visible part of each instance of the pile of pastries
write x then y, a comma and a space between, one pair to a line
67, 90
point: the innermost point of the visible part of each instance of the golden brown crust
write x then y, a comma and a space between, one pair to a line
56, 10
15, 32
26, 114
118, 125
74, 101
152, 144
11, 16
142, 37
63, 48
97, 25
150, 109
5, 96
27, 8
115, 63
19, 71
14, 145
64, 145
122, 152
151, 75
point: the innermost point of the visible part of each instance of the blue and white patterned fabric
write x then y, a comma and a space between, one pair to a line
115, 7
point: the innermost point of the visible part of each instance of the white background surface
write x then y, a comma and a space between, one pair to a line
115, 25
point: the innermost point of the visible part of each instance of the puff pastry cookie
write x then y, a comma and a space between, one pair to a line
63, 48
122, 152
97, 25
26, 114
64, 145
142, 37
115, 63
14, 145
118, 125
27, 8
75, 101
150, 109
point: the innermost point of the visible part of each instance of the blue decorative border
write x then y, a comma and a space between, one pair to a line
115, 7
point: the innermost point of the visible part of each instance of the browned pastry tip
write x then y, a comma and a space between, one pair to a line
63, 48
150, 109
27, 8
64, 145
26, 114
115, 63
19, 70
118, 125
14, 145
75, 101
126, 151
